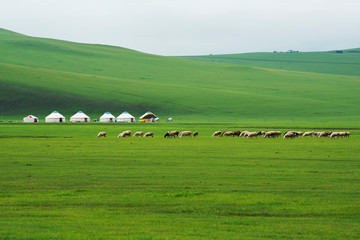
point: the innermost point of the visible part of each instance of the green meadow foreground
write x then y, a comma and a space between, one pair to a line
61, 182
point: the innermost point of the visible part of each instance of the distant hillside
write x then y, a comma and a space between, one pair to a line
343, 62
39, 75
353, 50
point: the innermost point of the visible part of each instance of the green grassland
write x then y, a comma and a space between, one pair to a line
39, 75
330, 62
58, 181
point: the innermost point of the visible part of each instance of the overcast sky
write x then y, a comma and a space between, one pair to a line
191, 27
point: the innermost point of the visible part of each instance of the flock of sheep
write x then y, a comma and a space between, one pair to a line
273, 134
244, 134
128, 134
175, 133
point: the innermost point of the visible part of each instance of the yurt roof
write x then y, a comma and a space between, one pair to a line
125, 115
30, 116
148, 115
107, 115
55, 114
80, 114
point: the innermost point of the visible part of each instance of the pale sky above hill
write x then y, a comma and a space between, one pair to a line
191, 27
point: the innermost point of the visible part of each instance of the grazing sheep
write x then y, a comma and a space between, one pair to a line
185, 134
175, 132
317, 134
290, 134
125, 134
172, 134
217, 133
339, 134
252, 134
195, 134
101, 134
248, 133
299, 134
272, 134
335, 134
262, 133
306, 134
242, 134
222, 134
138, 134
324, 134
227, 133
342, 134
237, 133
269, 134
149, 134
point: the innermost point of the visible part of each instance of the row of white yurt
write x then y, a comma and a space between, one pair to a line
58, 117
82, 117
124, 117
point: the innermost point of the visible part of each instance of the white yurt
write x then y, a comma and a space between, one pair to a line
30, 119
125, 117
107, 117
55, 117
80, 117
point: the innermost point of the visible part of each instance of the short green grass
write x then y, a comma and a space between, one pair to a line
58, 181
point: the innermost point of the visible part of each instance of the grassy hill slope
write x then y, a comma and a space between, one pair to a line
38, 76
346, 63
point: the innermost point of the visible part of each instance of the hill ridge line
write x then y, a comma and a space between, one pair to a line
276, 60
274, 69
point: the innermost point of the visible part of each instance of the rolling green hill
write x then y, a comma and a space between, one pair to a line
331, 62
39, 75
